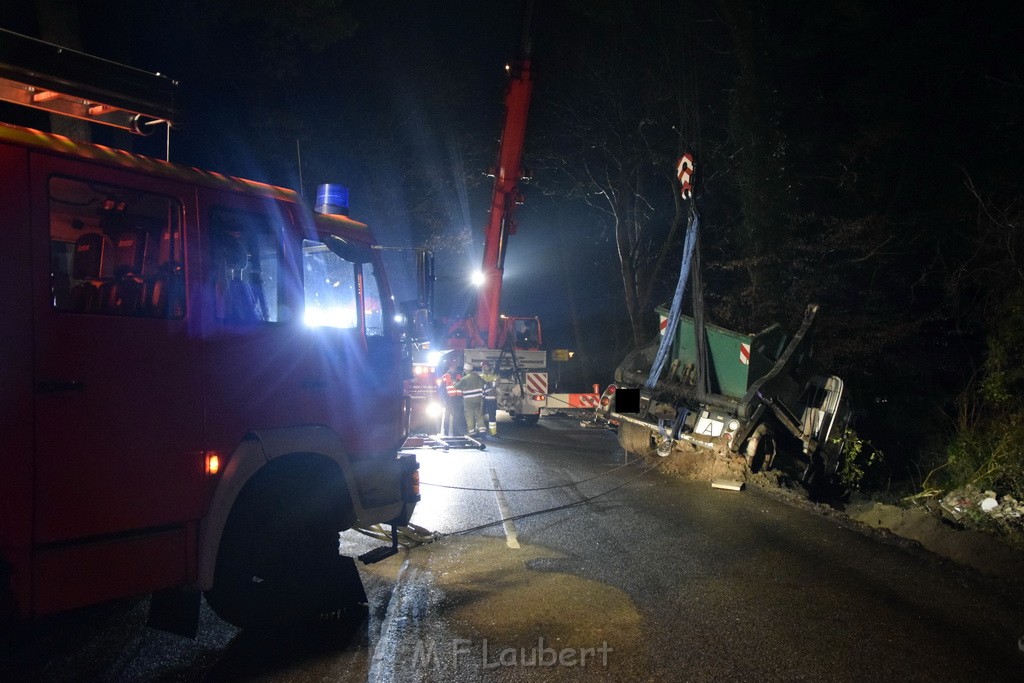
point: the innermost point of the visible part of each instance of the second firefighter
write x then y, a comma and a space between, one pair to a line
472, 387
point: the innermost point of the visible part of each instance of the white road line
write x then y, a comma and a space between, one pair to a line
511, 540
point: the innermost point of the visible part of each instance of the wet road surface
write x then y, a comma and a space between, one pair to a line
623, 575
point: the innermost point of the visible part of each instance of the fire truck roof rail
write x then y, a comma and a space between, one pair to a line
42, 75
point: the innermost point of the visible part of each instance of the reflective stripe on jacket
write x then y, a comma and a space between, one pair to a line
490, 384
472, 385
449, 381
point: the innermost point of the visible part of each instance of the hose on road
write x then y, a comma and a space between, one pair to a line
411, 535
545, 511
536, 488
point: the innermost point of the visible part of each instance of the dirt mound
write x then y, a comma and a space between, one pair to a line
700, 464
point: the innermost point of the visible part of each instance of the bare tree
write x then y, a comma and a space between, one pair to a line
621, 115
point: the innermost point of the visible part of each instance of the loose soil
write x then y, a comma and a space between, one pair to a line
699, 464
982, 551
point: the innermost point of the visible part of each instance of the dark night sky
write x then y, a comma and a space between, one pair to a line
434, 71
407, 110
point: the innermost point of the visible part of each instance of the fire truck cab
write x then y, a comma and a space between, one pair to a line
201, 385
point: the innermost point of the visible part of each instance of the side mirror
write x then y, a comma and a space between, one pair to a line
419, 323
354, 253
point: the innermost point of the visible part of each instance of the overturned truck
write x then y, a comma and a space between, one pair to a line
725, 404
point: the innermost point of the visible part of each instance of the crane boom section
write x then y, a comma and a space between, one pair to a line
505, 197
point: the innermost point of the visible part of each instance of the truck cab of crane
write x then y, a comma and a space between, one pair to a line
521, 333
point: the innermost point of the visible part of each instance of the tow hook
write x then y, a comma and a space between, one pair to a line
407, 535
384, 551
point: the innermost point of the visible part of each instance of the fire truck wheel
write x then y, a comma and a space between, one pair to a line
531, 419
634, 438
278, 562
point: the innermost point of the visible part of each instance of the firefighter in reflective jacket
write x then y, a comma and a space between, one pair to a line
472, 388
490, 397
453, 422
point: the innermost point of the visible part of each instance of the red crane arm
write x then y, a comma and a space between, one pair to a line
504, 199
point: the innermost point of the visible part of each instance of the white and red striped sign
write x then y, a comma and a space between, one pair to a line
662, 324
537, 382
744, 354
582, 401
684, 169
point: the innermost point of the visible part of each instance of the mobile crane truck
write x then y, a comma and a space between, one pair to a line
513, 345
719, 401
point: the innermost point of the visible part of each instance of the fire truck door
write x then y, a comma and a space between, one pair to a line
118, 400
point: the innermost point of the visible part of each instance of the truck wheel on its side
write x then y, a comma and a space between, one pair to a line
634, 438
761, 450
821, 484
278, 562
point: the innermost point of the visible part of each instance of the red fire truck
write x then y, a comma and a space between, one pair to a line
200, 387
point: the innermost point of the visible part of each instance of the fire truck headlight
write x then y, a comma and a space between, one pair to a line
434, 409
477, 278
399, 318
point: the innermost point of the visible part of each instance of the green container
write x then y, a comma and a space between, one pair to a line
736, 360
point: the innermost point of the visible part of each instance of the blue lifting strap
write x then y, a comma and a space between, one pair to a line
693, 224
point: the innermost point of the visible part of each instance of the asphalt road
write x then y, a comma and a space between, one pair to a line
648, 578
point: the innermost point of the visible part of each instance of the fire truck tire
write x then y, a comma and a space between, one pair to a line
531, 419
634, 438
278, 562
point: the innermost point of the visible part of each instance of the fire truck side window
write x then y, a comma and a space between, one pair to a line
115, 250
245, 258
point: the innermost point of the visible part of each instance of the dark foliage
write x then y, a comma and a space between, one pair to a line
862, 155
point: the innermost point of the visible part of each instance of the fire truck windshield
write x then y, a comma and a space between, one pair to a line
340, 292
